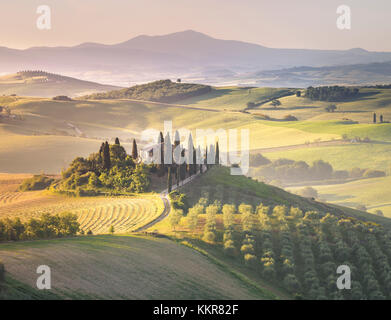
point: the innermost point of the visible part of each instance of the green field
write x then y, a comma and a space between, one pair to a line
233, 98
122, 267
55, 132
372, 193
342, 157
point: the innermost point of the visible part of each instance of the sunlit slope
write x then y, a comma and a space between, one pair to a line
359, 109
42, 84
52, 133
372, 193
342, 157
234, 98
97, 214
113, 267
221, 186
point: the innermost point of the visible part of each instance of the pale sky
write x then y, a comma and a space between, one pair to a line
273, 23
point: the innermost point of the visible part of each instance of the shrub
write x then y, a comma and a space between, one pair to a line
229, 248
379, 213
228, 235
308, 192
257, 160
62, 98
250, 260
247, 248
37, 182
374, 173
291, 283
361, 207
290, 117
209, 236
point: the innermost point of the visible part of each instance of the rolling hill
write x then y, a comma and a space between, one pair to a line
119, 267
44, 84
157, 91
355, 74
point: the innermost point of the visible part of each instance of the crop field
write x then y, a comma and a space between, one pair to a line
97, 214
123, 267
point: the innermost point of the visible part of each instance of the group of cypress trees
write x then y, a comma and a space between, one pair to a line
375, 118
104, 153
194, 162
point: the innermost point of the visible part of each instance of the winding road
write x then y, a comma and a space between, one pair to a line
166, 202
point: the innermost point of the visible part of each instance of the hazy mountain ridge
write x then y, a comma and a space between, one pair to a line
357, 74
188, 54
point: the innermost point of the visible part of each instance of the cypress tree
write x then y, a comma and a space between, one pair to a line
206, 157
194, 165
161, 143
106, 156
217, 159
190, 155
101, 150
212, 154
167, 150
178, 174
117, 141
134, 150
169, 180
177, 139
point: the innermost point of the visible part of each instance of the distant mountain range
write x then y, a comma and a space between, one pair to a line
190, 55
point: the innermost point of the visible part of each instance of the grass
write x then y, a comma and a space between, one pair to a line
342, 157
47, 132
124, 267
380, 132
233, 98
373, 193
358, 109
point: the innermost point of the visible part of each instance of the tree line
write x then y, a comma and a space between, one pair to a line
159, 91
331, 93
45, 227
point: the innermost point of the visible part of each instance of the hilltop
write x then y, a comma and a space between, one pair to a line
45, 84
157, 91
